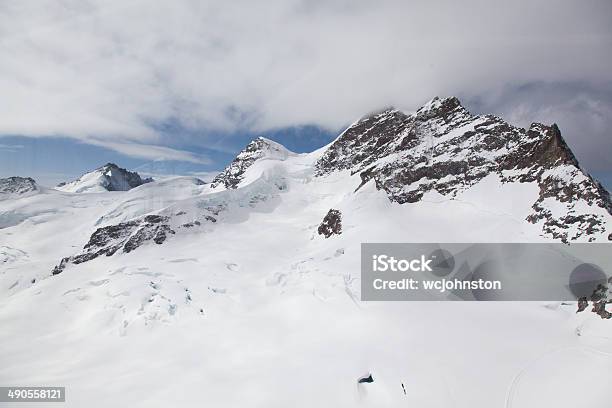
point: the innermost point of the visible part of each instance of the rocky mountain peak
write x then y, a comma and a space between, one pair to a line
264, 144
441, 107
260, 148
109, 177
17, 185
552, 150
443, 148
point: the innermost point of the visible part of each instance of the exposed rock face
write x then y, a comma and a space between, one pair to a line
17, 185
109, 177
332, 224
583, 303
368, 379
149, 232
599, 298
443, 148
126, 236
119, 179
599, 308
260, 148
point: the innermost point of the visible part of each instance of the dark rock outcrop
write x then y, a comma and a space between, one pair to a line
125, 236
192, 224
128, 236
331, 224
582, 304
599, 299
367, 379
599, 308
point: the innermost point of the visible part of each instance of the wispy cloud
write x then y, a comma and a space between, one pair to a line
11, 147
151, 152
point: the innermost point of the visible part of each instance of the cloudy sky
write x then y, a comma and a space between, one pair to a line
191, 81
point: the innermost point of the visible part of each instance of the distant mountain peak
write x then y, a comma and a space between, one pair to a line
17, 185
109, 177
260, 148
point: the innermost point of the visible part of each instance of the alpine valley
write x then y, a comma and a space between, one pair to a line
244, 290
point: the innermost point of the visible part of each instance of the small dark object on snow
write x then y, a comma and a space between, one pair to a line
332, 224
192, 224
367, 379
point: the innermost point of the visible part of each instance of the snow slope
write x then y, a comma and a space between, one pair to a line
257, 309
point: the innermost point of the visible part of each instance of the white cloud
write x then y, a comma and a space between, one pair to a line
107, 71
10, 148
152, 152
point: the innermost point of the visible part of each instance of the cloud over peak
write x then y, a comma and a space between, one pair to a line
109, 72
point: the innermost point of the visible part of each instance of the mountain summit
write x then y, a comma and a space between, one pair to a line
109, 177
17, 185
442, 148
259, 149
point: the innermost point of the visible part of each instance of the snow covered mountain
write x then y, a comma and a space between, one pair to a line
246, 291
259, 149
109, 177
443, 148
17, 186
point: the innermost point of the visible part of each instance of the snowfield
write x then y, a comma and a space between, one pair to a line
257, 309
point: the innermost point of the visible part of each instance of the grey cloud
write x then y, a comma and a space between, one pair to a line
110, 70
582, 110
